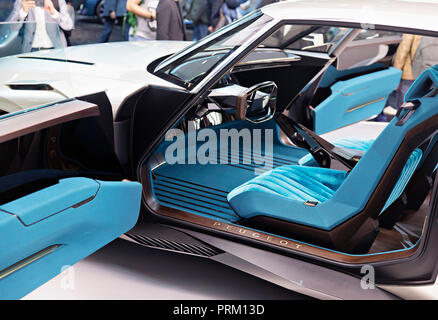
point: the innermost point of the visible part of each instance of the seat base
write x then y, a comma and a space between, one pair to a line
359, 243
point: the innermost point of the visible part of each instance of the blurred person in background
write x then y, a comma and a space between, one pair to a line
403, 60
170, 21
245, 7
141, 19
196, 11
71, 12
47, 17
213, 13
251, 5
414, 55
221, 13
113, 9
426, 55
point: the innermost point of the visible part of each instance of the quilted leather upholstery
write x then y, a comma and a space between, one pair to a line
295, 182
300, 184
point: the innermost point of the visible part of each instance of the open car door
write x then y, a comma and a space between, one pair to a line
52, 216
360, 84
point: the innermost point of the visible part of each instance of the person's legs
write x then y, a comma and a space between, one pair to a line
126, 33
380, 118
107, 29
67, 35
401, 91
396, 99
202, 31
196, 35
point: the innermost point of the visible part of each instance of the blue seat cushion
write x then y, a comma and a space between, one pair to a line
295, 183
289, 186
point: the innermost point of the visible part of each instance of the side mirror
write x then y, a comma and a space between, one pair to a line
258, 103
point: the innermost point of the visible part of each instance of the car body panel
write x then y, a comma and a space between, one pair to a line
293, 274
117, 68
372, 13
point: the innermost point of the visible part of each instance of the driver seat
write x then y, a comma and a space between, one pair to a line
334, 208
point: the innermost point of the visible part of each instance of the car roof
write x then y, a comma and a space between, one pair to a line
415, 14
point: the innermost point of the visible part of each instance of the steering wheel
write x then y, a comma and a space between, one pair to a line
258, 103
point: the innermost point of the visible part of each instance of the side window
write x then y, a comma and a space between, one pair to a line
305, 38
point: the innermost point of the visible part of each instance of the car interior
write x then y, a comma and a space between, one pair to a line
345, 199
354, 197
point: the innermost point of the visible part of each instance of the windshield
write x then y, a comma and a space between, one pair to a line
190, 66
25, 84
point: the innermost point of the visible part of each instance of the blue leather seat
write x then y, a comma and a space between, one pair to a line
304, 184
345, 203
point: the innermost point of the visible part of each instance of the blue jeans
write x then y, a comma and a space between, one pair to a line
107, 30
108, 26
397, 98
199, 31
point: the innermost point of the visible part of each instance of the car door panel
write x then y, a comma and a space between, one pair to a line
54, 231
366, 52
40, 205
355, 99
53, 214
34, 119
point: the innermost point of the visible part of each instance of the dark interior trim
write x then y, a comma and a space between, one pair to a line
33, 120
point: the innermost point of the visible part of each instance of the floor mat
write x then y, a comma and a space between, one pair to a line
203, 189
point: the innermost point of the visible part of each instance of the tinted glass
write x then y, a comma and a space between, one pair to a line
191, 65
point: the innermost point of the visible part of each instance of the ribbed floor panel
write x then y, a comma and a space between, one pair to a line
203, 189
186, 195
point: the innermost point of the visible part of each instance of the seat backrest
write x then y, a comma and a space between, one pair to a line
405, 176
370, 184
415, 161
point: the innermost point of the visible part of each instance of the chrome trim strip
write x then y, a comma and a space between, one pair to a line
158, 165
25, 262
364, 105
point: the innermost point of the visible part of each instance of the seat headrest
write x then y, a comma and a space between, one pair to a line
425, 85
